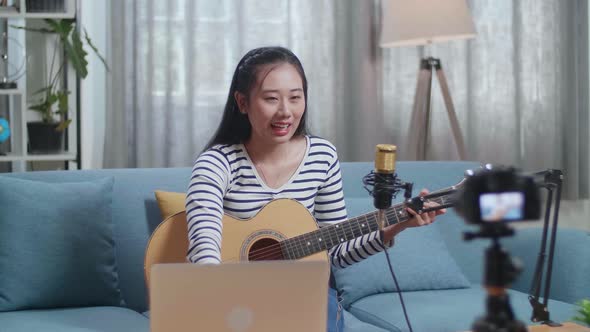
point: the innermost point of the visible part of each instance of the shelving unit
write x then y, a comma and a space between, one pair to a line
18, 9
37, 49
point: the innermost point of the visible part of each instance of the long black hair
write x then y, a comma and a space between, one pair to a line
235, 127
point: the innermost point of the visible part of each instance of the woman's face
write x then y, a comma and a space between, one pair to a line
275, 104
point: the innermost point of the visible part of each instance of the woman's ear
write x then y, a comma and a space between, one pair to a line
241, 102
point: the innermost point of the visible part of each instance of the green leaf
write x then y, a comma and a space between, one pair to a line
62, 27
63, 125
52, 98
45, 89
95, 50
40, 30
76, 55
44, 108
583, 312
41, 107
62, 105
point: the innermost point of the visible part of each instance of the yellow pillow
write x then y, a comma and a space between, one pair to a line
170, 203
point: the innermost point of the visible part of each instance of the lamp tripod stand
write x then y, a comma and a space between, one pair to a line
419, 137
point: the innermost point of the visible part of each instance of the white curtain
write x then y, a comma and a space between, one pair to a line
520, 88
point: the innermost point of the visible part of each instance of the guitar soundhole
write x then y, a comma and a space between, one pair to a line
265, 250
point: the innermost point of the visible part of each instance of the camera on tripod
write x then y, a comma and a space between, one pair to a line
494, 197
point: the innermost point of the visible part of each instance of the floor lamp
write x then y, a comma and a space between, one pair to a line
423, 22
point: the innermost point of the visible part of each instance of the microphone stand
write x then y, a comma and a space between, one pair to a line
552, 180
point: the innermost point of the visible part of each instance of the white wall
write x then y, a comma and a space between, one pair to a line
93, 16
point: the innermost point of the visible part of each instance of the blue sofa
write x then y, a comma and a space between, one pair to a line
438, 271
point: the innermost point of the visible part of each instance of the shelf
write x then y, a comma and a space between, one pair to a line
39, 157
12, 12
11, 92
9, 12
14, 105
16, 15
49, 15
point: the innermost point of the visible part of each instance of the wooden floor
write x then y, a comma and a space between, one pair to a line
567, 327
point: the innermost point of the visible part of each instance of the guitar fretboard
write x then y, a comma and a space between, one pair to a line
328, 237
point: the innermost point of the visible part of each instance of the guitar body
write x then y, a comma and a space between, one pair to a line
279, 220
242, 240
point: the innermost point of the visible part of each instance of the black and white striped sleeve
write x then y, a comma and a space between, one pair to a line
330, 209
204, 206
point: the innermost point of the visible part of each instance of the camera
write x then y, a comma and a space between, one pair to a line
497, 194
493, 197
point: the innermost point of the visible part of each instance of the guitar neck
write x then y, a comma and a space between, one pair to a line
330, 236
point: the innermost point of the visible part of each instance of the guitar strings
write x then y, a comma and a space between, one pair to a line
299, 246
299, 243
276, 250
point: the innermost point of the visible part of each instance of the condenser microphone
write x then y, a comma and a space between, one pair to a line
384, 179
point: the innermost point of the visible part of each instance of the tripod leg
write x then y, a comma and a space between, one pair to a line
451, 111
417, 130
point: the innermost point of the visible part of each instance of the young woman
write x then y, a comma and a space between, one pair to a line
262, 151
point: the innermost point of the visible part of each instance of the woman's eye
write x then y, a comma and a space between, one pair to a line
296, 97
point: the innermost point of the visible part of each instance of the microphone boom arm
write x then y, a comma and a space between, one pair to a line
552, 180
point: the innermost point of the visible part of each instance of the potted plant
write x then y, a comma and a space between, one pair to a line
46, 135
583, 312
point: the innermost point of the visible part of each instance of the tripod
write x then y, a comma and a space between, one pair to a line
419, 133
500, 270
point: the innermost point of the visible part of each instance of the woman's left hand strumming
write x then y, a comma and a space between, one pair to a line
417, 220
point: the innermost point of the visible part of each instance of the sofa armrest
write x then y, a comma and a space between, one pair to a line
570, 279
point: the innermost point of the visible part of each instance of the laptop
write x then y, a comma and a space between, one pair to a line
240, 297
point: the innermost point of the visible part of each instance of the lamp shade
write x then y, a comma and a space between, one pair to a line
419, 22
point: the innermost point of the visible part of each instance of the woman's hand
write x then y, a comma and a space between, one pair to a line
417, 220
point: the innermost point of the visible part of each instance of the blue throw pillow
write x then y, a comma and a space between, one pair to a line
56, 245
420, 260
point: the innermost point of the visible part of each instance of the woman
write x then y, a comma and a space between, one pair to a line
260, 152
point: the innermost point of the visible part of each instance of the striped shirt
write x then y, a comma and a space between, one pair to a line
224, 180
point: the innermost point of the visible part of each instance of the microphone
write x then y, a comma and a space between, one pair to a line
385, 186
384, 179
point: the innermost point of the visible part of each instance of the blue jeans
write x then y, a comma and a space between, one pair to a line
335, 319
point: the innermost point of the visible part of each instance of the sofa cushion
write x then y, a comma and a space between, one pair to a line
444, 310
419, 258
170, 203
56, 245
95, 319
353, 324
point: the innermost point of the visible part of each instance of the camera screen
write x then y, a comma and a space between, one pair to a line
505, 206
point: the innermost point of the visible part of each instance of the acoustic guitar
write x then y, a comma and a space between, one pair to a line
282, 229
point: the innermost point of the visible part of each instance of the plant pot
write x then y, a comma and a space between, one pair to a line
43, 138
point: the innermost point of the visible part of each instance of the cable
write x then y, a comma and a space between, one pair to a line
401, 299
389, 184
